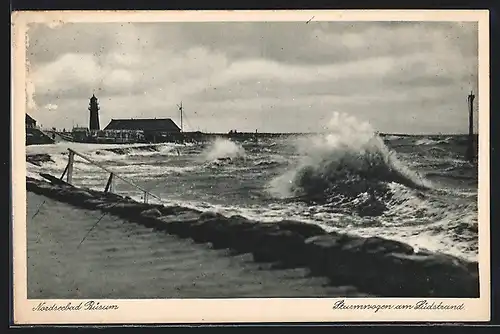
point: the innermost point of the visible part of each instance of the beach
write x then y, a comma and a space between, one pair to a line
121, 259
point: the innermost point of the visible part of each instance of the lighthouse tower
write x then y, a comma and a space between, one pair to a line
94, 114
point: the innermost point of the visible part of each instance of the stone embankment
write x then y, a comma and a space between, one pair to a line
374, 265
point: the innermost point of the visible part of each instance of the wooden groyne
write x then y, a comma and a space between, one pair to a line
374, 265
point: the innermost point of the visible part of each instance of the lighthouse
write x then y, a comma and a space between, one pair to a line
94, 114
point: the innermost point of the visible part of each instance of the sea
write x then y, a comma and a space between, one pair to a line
418, 189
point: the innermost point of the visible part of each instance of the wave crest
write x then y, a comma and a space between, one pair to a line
349, 162
223, 150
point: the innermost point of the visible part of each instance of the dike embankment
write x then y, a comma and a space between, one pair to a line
374, 265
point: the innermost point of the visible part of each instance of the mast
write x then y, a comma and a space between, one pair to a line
180, 110
470, 142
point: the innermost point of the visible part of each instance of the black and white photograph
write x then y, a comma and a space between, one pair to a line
233, 159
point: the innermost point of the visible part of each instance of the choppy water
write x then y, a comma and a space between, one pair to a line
416, 189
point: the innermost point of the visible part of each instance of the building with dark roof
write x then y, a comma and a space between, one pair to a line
30, 122
159, 125
153, 130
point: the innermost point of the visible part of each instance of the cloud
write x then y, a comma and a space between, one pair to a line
67, 70
50, 106
284, 76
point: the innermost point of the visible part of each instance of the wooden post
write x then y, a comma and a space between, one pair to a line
112, 184
109, 184
70, 167
470, 141
65, 170
146, 197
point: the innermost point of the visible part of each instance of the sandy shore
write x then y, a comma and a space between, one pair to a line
121, 259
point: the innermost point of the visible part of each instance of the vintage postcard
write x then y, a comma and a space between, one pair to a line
250, 166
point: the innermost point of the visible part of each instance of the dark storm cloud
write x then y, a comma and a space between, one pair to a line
281, 41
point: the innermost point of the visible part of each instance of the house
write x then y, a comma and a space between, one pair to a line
152, 129
157, 125
34, 135
30, 122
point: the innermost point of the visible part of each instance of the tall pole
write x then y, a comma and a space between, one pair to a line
180, 109
69, 175
470, 148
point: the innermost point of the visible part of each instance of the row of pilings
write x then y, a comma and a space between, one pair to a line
374, 265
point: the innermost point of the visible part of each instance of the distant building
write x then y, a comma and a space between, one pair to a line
30, 122
151, 129
120, 136
80, 134
34, 135
94, 114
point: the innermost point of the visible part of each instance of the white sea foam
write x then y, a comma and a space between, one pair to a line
428, 141
222, 149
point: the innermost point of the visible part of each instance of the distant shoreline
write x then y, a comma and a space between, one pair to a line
226, 134
197, 136
296, 133
319, 133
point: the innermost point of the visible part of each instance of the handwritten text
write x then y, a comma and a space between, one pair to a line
420, 305
69, 306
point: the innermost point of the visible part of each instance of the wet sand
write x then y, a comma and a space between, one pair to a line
124, 260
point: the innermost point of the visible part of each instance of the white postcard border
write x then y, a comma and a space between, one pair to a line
238, 310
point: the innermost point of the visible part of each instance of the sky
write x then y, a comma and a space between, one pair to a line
401, 77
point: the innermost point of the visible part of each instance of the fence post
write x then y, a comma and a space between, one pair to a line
70, 167
65, 171
109, 185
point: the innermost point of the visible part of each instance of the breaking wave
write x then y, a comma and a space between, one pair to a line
162, 149
430, 141
223, 150
348, 164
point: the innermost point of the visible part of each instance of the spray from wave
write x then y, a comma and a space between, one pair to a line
223, 150
347, 165
430, 141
